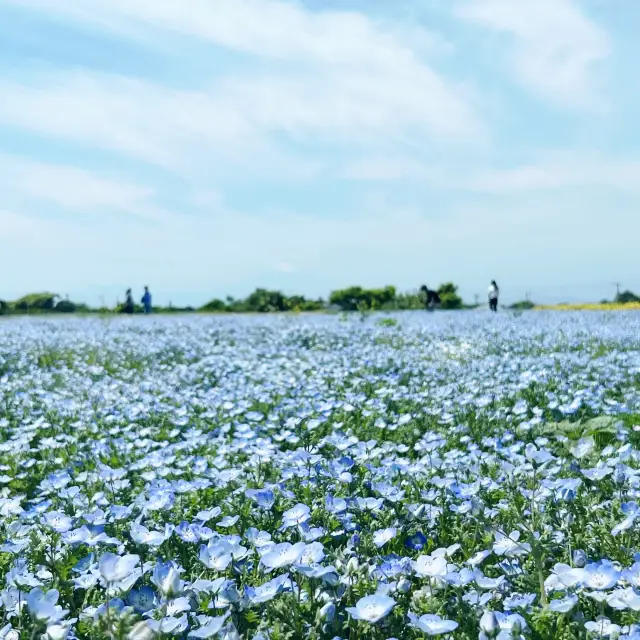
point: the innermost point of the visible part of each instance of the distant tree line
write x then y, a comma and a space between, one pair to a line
266, 301
260, 301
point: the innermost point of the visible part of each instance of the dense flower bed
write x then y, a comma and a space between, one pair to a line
466, 476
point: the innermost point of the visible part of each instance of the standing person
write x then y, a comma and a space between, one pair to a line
128, 303
431, 298
146, 300
494, 292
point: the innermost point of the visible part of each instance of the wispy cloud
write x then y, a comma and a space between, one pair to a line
553, 46
561, 170
332, 77
24, 181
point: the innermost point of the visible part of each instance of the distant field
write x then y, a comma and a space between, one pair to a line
630, 306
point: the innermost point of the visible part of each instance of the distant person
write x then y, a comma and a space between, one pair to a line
146, 300
128, 303
494, 292
431, 298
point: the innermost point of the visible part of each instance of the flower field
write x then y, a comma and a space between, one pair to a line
421, 475
601, 306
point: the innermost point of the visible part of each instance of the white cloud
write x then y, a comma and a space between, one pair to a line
561, 170
554, 46
389, 169
329, 77
280, 30
236, 120
73, 189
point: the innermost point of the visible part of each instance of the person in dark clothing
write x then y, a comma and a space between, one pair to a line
128, 304
431, 298
494, 292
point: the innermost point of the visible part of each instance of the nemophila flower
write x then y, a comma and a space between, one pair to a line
519, 601
432, 625
567, 488
563, 605
459, 578
370, 504
327, 612
478, 558
416, 542
430, 566
226, 595
43, 606
487, 583
388, 491
143, 599
169, 625
603, 628
264, 498
382, 536
622, 599
58, 631
295, 516
583, 447
176, 606
9, 633
142, 535
228, 521
209, 627
601, 575
166, 577
59, 522
579, 558
208, 514
313, 553
258, 538
86, 581
372, 608
115, 568
335, 505
189, 532
510, 545
282, 555
268, 590
599, 472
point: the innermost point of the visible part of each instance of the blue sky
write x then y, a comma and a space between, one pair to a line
208, 147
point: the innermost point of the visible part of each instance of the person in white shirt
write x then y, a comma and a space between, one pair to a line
493, 296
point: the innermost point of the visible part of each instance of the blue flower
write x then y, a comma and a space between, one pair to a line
372, 608
416, 542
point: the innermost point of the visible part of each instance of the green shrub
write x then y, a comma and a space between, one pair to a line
449, 297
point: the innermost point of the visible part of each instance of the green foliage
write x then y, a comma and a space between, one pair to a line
35, 303
522, 305
66, 306
359, 299
387, 322
626, 296
449, 297
263, 301
215, 306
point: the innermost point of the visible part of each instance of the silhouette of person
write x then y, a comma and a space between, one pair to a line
494, 292
431, 298
146, 300
128, 304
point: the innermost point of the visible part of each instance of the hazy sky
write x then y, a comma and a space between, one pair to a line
207, 147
